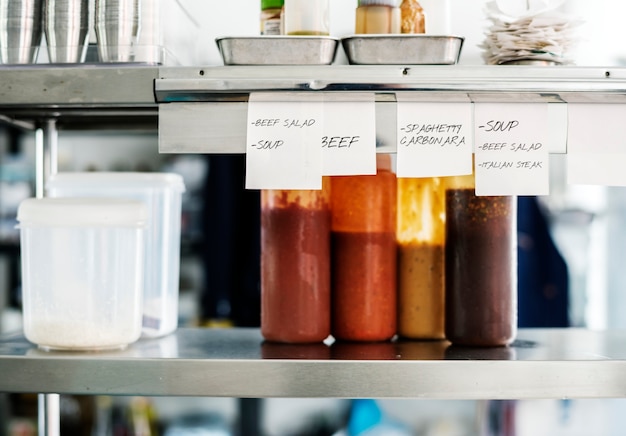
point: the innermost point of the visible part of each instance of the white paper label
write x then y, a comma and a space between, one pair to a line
596, 147
349, 138
283, 141
433, 138
511, 150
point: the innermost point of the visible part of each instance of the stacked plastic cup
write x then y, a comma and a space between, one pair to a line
117, 29
20, 31
66, 25
150, 44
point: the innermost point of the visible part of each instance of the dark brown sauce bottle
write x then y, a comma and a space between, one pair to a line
480, 265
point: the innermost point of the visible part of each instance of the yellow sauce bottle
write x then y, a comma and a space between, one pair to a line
421, 245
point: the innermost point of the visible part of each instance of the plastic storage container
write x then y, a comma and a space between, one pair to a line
162, 195
295, 265
481, 266
82, 271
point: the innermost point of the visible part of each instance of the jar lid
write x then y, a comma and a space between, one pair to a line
118, 180
392, 3
271, 4
82, 211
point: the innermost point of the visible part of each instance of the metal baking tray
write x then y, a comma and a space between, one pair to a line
278, 50
409, 49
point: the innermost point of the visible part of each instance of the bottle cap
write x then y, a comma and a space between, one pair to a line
271, 4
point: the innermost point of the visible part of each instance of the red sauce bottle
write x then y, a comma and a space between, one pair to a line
363, 233
295, 265
480, 266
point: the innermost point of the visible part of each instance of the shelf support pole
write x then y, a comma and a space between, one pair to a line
46, 154
46, 148
49, 414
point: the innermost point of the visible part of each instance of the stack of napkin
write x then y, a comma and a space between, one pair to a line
526, 30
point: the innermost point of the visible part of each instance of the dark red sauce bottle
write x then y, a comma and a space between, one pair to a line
295, 265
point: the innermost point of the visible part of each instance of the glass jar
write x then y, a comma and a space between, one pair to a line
271, 21
412, 17
421, 236
377, 17
295, 265
481, 266
363, 210
306, 17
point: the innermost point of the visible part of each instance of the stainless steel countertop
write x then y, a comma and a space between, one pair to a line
543, 363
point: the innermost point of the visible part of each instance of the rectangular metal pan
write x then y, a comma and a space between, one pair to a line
410, 49
278, 50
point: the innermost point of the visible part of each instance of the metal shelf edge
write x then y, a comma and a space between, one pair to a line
550, 363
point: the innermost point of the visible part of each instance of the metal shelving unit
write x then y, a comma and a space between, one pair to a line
203, 110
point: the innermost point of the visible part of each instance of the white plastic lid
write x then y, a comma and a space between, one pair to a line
118, 180
76, 211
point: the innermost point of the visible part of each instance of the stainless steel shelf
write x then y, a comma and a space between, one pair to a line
83, 86
545, 363
203, 109
97, 87
81, 96
194, 101
234, 82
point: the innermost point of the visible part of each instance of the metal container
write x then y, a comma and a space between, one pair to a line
20, 31
278, 50
531, 62
409, 49
117, 29
66, 25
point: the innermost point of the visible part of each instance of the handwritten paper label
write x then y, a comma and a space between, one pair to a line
433, 138
596, 147
557, 131
349, 138
511, 153
283, 141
